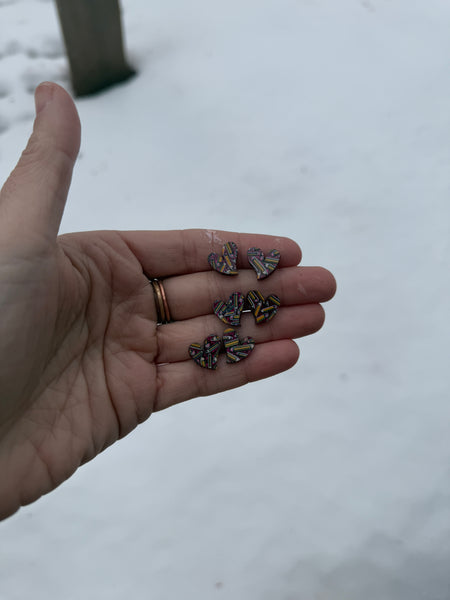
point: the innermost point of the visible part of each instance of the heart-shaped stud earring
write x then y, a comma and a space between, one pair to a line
263, 265
226, 263
263, 309
235, 348
230, 312
206, 354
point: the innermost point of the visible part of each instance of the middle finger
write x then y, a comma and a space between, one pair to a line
193, 295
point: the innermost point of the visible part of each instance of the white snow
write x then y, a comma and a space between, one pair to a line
325, 121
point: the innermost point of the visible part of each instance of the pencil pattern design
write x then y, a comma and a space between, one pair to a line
236, 348
206, 354
263, 265
226, 263
263, 309
230, 312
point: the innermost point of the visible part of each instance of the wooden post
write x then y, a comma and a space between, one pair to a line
93, 36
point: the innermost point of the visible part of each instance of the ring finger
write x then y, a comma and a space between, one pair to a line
290, 322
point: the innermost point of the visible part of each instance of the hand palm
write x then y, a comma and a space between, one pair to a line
85, 373
83, 358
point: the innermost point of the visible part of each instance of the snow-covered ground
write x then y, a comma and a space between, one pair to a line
327, 121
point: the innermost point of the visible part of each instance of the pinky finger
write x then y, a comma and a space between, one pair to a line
185, 380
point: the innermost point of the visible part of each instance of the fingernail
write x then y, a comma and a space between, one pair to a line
42, 96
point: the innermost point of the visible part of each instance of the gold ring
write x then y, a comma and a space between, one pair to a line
162, 307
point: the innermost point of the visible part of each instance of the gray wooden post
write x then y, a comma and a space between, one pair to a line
93, 36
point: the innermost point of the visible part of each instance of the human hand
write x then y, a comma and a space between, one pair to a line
82, 359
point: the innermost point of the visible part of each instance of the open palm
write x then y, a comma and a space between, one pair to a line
82, 359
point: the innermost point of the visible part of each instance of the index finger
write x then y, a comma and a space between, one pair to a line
178, 252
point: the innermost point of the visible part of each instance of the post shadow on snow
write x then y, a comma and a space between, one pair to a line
92, 31
382, 568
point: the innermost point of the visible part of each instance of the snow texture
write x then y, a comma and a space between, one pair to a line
325, 121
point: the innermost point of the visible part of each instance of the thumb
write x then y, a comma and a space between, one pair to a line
33, 198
